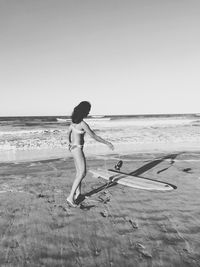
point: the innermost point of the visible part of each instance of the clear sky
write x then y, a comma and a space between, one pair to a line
124, 56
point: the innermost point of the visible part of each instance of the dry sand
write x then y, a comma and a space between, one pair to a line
115, 226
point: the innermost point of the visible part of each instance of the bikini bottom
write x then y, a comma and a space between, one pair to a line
71, 147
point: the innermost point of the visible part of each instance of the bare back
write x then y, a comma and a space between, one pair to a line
76, 134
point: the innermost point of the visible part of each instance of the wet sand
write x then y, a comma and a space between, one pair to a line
114, 226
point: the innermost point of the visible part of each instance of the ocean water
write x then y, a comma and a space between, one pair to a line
24, 138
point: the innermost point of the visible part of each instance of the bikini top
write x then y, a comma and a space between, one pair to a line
78, 131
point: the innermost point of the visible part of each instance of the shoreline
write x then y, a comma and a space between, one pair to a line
95, 150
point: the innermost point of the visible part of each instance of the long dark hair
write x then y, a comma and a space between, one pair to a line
81, 111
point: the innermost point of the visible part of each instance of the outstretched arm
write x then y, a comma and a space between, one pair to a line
88, 130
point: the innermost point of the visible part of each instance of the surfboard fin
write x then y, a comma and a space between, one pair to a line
118, 165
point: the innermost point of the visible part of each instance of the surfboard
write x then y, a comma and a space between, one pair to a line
127, 179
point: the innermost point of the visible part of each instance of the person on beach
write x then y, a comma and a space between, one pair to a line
76, 133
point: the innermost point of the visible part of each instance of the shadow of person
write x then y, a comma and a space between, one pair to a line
94, 191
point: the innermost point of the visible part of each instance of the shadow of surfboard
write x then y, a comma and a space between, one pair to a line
136, 173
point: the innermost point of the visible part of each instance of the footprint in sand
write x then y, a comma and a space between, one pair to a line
104, 197
104, 213
131, 222
104, 200
48, 199
62, 208
142, 250
41, 196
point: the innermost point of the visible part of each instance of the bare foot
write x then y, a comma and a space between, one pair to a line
71, 203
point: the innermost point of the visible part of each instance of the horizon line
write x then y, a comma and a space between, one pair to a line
106, 115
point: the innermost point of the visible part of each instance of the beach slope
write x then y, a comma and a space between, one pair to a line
114, 226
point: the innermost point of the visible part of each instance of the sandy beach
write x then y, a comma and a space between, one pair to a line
120, 80
113, 226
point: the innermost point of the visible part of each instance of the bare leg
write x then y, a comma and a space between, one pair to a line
80, 164
78, 190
